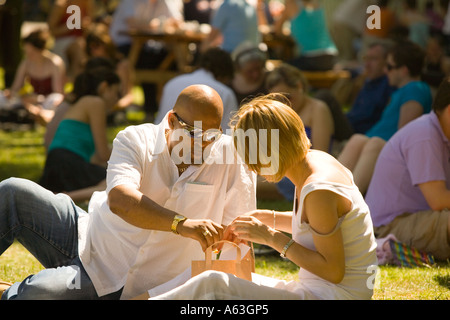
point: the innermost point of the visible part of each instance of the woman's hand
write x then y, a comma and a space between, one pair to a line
249, 228
230, 236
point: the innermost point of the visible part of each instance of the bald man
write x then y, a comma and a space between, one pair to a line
162, 207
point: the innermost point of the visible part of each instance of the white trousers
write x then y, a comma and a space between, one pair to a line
213, 285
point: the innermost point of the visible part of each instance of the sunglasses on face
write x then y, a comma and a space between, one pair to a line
210, 135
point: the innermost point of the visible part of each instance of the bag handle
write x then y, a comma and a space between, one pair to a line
209, 251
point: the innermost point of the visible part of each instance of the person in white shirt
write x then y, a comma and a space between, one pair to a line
328, 234
142, 14
233, 23
215, 69
145, 15
155, 185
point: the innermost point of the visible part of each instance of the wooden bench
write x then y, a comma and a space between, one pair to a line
316, 79
325, 79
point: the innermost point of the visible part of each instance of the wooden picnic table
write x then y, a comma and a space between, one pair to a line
177, 42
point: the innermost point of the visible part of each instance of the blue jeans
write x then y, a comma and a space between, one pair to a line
46, 225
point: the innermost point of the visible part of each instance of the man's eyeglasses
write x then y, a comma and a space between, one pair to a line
209, 135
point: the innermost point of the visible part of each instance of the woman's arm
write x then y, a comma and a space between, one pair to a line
96, 109
126, 75
58, 74
408, 112
56, 14
291, 9
322, 128
19, 79
214, 38
321, 208
281, 221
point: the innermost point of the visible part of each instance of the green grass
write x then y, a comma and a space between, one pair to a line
22, 155
414, 284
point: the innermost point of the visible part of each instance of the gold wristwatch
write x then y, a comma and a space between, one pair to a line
176, 220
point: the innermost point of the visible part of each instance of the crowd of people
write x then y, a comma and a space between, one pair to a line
363, 160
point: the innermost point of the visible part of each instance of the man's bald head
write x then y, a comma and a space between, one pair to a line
200, 103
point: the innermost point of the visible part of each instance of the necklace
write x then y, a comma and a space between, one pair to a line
180, 170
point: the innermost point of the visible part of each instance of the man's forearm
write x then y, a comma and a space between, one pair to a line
436, 194
138, 210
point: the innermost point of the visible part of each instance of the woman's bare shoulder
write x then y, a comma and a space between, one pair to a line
328, 168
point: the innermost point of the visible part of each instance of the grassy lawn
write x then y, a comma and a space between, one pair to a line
22, 155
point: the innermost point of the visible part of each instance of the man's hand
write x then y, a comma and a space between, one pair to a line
206, 232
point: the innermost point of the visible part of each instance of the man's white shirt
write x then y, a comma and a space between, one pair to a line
117, 254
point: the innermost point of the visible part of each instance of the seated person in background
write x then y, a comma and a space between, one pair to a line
233, 23
77, 156
91, 64
317, 51
321, 113
198, 10
409, 195
45, 72
215, 69
148, 16
69, 43
250, 71
99, 44
388, 21
411, 100
375, 94
416, 21
342, 128
315, 114
265, 10
437, 63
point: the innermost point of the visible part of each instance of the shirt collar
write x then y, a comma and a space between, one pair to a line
378, 79
204, 73
161, 142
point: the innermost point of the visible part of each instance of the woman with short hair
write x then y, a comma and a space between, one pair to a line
332, 235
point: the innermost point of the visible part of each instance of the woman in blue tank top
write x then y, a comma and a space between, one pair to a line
77, 155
